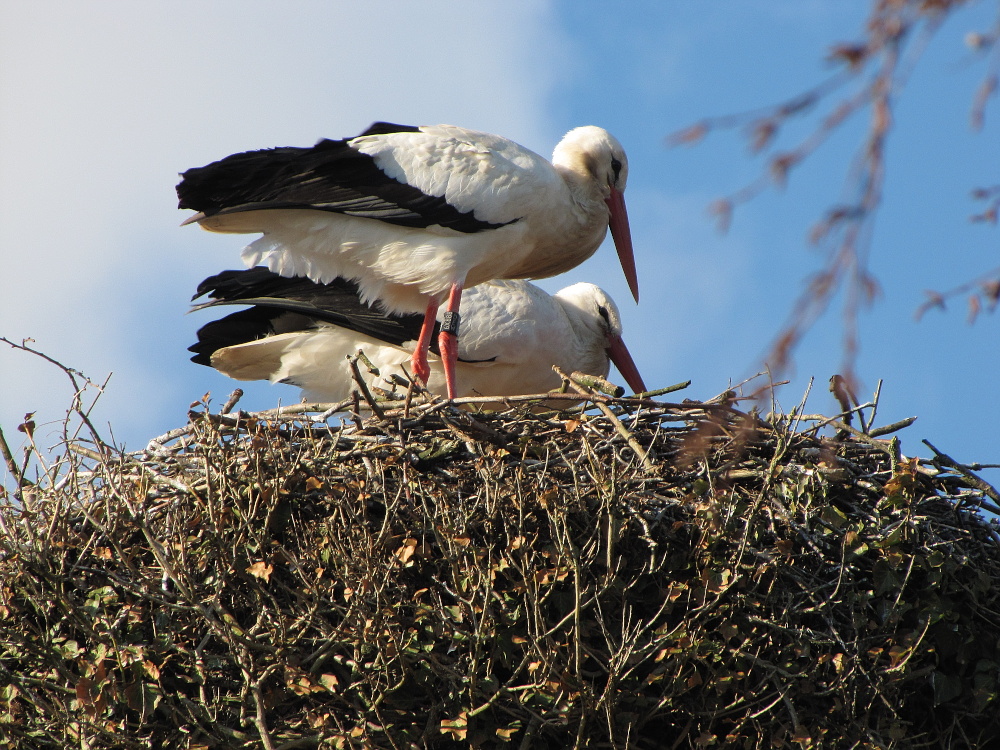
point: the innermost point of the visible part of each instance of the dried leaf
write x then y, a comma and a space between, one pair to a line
28, 426
84, 691
986, 89
838, 663
722, 211
974, 307
934, 300
976, 41
458, 727
761, 134
802, 736
989, 215
870, 288
261, 570
991, 291
688, 136
406, 550
853, 55
782, 164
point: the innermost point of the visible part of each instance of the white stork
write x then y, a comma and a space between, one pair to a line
414, 215
302, 333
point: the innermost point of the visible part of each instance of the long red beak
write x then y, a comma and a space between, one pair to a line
622, 236
623, 361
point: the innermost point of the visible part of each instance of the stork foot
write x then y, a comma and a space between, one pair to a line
448, 344
421, 370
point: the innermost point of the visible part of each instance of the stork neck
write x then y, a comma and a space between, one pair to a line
583, 187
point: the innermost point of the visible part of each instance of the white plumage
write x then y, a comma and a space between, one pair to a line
514, 332
416, 215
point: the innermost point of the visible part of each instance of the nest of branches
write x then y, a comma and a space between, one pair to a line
627, 573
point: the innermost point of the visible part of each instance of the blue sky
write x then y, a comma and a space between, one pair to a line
101, 105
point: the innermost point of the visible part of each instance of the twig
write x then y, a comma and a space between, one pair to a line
12, 466
86, 452
597, 383
797, 412
367, 394
619, 427
663, 391
368, 363
890, 428
70, 373
356, 411
234, 397
980, 484
823, 421
866, 425
886, 447
260, 715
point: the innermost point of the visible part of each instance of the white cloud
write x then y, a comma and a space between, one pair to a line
104, 103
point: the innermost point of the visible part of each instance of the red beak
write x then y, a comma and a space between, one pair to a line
623, 238
623, 361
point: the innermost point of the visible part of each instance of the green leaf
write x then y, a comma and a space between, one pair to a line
946, 687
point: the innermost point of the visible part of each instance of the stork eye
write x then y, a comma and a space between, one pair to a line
603, 312
616, 167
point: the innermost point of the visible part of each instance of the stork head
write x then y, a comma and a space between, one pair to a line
594, 152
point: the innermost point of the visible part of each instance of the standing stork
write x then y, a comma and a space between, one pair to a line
414, 215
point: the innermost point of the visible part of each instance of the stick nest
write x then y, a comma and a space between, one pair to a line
652, 575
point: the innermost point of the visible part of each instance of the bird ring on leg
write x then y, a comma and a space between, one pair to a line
449, 323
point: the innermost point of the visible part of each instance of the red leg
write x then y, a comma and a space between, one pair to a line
421, 370
448, 338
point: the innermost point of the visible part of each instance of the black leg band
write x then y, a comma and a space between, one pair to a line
450, 323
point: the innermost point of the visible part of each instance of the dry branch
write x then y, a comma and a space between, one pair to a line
872, 73
436, 577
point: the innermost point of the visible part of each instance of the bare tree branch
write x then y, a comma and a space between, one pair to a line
872, 75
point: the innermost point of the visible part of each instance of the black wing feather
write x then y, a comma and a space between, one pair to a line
330, 176
238, 328
281, 305
384, 128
